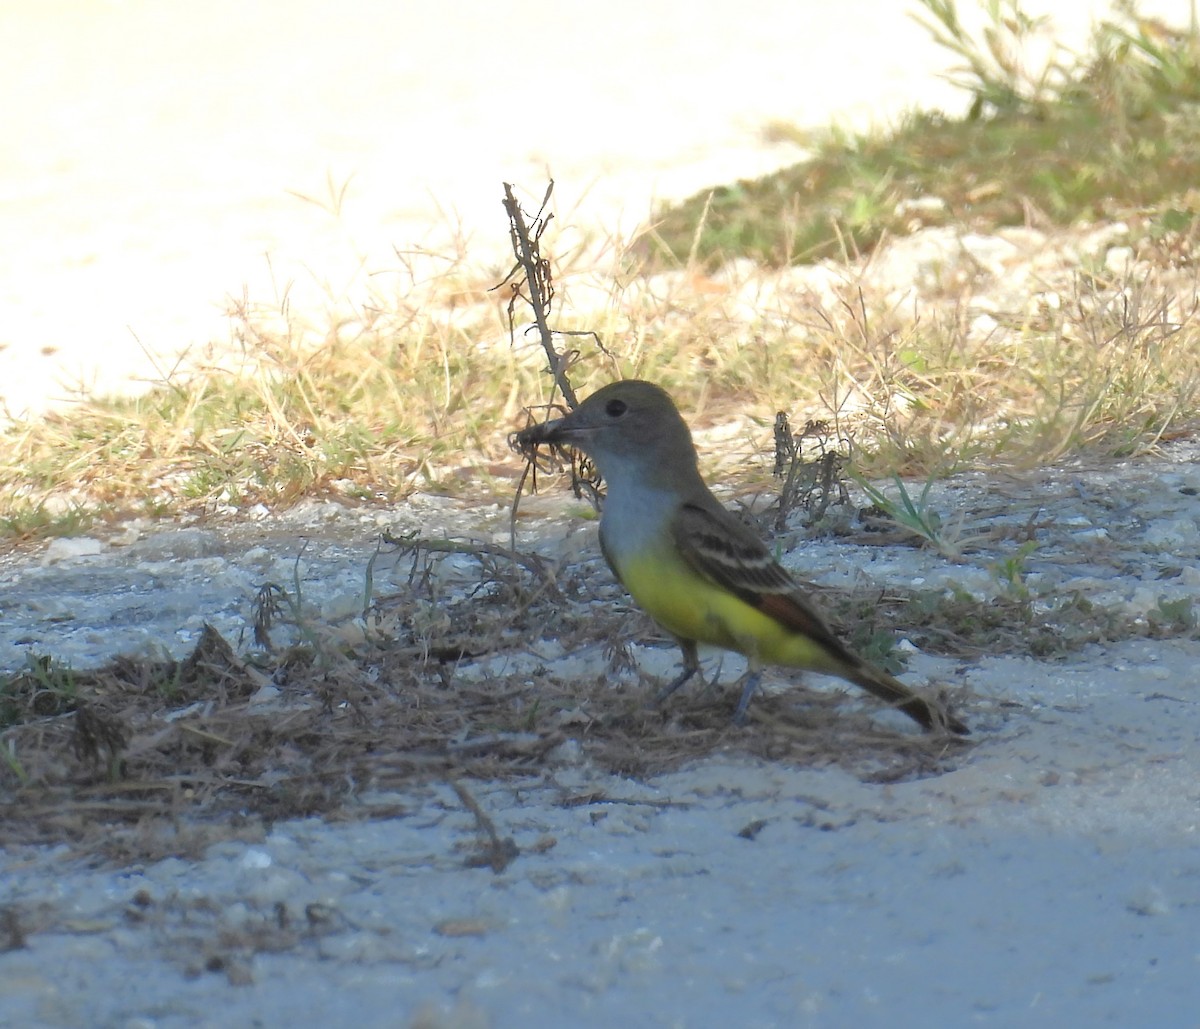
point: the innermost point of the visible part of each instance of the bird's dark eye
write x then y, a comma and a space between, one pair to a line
615, 408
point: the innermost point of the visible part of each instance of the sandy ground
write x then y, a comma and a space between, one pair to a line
1051, 878
1048, 876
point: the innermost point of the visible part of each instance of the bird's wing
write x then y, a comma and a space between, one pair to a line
720, 548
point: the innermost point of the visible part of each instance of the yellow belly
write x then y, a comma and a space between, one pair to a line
692, 608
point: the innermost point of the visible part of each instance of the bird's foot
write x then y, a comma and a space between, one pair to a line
750, 684
674, 684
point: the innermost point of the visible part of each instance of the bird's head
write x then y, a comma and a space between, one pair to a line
630, 423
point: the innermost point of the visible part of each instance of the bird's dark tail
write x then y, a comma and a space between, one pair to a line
894, 693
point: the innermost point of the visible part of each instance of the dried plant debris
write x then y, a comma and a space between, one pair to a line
487, 662
809, 468
120, 757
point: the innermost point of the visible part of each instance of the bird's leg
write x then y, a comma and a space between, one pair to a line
691, 665
750, 684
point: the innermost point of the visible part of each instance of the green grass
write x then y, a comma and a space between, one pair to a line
43, 688
1115, 133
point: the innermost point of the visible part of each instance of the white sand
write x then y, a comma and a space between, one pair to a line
149, 148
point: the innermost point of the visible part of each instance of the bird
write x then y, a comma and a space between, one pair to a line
695, 568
